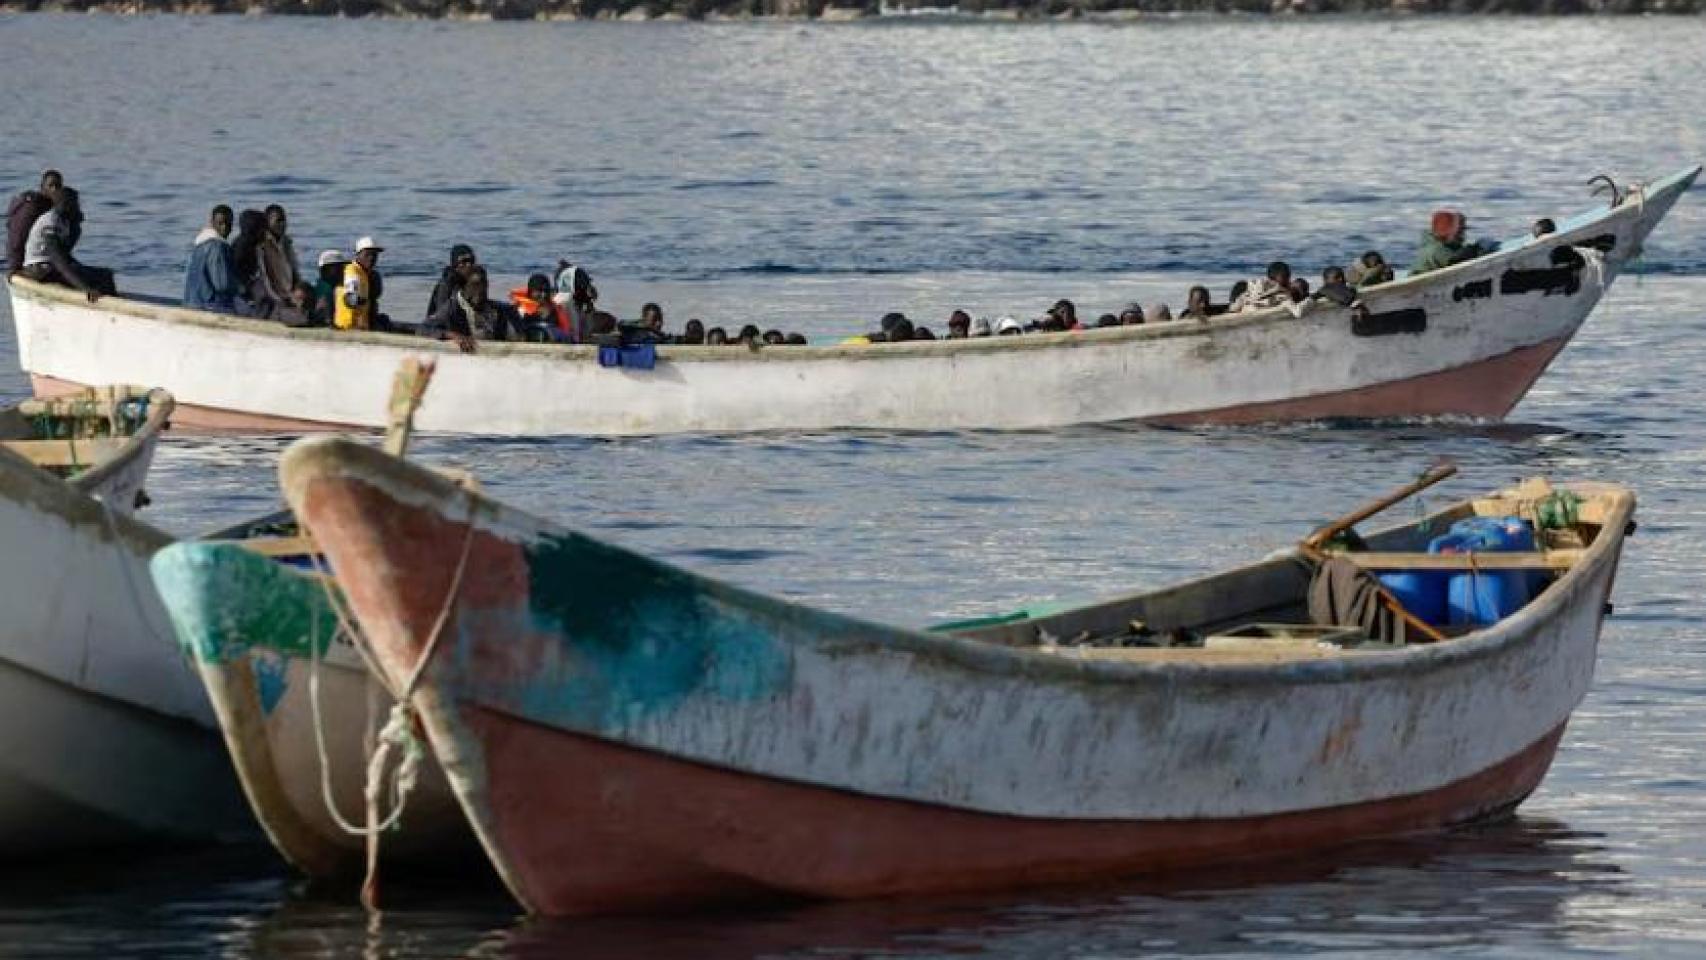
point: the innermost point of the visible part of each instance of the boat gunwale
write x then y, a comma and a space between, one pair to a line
1589, 221
313, 458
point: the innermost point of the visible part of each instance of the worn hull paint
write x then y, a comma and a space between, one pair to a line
563, 648
255, 628
108, 737
1253, 364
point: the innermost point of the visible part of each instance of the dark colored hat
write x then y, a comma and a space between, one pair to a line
459, 251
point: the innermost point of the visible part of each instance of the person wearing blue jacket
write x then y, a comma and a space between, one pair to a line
210, 281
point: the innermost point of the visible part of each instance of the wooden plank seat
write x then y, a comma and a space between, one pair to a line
1513, 560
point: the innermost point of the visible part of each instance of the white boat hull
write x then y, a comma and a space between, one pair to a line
1467, 340
108, 736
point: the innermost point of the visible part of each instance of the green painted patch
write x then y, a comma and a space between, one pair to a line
224, 600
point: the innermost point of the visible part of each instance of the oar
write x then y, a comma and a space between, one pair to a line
1311, 545
1434, 474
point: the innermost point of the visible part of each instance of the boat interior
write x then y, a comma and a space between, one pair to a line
1261, 613
68, 435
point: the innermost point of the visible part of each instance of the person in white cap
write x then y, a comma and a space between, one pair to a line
357, 306
1008, 326
327, 280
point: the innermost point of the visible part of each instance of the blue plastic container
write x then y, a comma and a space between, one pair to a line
1422, 592
1482, 597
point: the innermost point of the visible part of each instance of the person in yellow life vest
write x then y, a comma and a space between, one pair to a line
357, 299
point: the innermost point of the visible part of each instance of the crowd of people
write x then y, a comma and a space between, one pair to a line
257, 274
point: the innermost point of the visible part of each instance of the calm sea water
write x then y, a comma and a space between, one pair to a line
814, 177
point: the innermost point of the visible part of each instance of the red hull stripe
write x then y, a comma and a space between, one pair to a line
188, 416
1489, 388
582, 826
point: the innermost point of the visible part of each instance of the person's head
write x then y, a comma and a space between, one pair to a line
474, 287
1449, 226
694, 332
331, 265
1064, 311
1543, 226
603, 322
538, 288
251, 224
774, 337
902, 330
1131, 316
923, 333
1008, 327
367, 253
1333, 277
796, 339
959, 324
716, 337
68, 203
1197, 300
220, 220
1300, 289
1280, 272
462, 260
1107, 320
981, 327
651, 317
1160, 313
278, 222
1237, 290
302, 296
52, 181
1373, 259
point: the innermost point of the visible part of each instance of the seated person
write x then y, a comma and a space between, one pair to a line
1444, 245
981, 327
959, 325
773, 338
651, 321
23, 212
1542, 227
1107, 320
468, 314
1371, 269
1160, 313
1131, 316
542, 319
330, 266
1008, 327
694, 333
796, 339
1299, 290
1268, 290
1197, 305
716, 337
48, 246
301, 312
1334, 289
923, 333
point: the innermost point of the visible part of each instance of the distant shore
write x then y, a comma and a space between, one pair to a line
1106, 10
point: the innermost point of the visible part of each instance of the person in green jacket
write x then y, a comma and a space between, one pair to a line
1443, 245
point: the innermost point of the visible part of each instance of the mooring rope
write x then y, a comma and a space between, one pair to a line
399, 730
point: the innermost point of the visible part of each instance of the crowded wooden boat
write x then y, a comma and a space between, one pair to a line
1467, 339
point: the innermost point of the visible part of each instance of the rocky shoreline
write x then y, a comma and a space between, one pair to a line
839, 10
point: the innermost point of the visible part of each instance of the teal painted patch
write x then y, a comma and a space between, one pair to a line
638, 637
224, 600
272, 674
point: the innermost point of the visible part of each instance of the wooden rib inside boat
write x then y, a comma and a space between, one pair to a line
100, 439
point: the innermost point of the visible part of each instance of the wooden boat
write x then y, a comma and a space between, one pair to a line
254, 615
625, 735
105, 735
1469, 340
100, 440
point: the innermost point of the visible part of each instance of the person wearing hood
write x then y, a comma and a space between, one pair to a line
1443, 245
210, 280
576, 294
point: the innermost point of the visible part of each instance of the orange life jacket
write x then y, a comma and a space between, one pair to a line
529, 307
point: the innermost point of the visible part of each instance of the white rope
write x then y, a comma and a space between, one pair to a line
406, 771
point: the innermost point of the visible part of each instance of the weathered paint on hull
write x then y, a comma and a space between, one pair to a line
1244, 366
253, 626
590, 827
559, 637
100, 701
